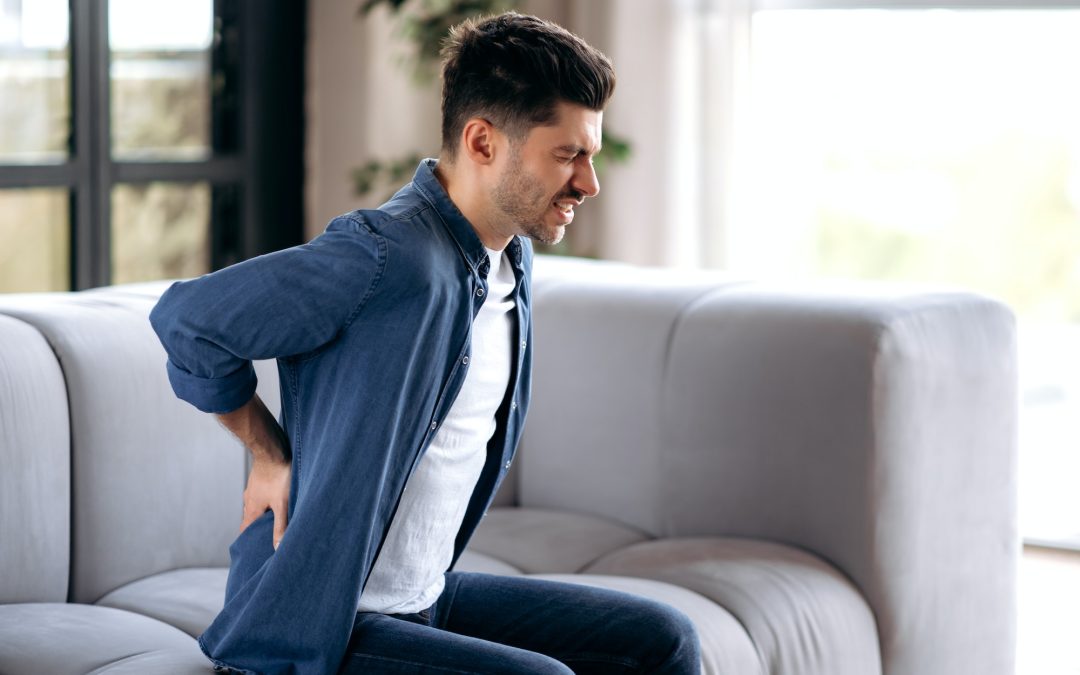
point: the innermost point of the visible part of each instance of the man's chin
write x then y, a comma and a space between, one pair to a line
547, 235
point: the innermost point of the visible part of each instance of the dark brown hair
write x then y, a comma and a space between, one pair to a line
513, 70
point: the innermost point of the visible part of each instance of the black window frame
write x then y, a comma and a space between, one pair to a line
255, 168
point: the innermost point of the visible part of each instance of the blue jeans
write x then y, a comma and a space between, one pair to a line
486, 623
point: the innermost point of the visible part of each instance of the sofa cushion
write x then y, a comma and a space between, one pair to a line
188, 599
153, 479
74, 639
725, 647
801, 613
473, 561
35, 471
546, 540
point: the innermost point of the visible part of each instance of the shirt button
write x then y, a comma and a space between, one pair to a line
513, 405
508, 465
434, 424
479, 292
523, 344
465, 360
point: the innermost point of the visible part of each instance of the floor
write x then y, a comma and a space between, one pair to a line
1049, 621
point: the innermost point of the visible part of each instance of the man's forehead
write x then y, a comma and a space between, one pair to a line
575, 129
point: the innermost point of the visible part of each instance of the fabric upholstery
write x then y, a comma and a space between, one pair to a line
726, 649
35, 471
605, 426
802, 615
543, 540
74, 639
873, 425
473, 561
822, 477
153, 479
188, 599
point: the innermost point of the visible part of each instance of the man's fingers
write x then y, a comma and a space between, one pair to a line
281, 518
248, 519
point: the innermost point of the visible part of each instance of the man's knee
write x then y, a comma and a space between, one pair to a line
678, 646
542, 665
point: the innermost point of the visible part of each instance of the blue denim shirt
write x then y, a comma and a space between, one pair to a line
370, 324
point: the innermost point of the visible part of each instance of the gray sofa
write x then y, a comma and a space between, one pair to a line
822, 476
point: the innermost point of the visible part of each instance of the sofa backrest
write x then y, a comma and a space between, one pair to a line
826, 415
593, 442
153, 480
35, 471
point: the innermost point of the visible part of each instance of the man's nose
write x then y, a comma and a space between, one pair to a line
585, 180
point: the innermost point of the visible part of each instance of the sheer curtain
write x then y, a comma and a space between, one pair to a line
681, 66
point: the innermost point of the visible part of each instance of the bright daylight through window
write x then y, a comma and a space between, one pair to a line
939, 146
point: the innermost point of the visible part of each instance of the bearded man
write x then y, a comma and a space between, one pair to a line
403, 345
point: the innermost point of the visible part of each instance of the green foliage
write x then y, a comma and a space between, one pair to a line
427, 22
1012, 232
376, 173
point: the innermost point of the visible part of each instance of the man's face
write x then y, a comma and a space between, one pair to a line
549, 173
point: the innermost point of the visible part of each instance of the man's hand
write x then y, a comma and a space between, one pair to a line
271, 467
268, 488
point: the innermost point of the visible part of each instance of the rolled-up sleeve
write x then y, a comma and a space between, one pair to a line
277, 305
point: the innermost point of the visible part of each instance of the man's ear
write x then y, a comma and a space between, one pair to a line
479, 140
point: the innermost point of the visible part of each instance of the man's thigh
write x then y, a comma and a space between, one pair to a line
592, 630
385, 645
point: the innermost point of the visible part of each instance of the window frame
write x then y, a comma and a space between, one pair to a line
255, 168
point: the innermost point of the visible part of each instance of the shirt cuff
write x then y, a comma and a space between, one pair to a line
216, 394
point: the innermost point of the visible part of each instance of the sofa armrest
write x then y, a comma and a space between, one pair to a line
873, 426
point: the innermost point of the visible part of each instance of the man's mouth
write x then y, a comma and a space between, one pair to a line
566, 206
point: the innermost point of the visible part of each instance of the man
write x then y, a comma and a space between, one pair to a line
402, 337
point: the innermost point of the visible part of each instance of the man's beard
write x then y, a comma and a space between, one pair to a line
522, 201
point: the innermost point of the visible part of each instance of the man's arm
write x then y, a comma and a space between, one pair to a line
281, 304
276, 305
268, 482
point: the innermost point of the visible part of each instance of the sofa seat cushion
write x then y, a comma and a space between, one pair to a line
549, 541
802, 614
474, 561
188, 599
725, 646
74, 639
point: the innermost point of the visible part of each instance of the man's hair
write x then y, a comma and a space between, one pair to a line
513, 70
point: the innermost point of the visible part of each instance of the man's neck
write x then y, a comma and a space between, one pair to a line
466, 196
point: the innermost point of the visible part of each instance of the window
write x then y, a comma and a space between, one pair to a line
918, 141
956, 162
146, 139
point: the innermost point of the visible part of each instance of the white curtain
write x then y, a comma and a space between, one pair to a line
681, 66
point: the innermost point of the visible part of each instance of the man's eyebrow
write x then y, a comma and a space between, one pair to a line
576, 149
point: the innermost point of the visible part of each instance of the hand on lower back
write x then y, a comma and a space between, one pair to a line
268, 482
268, 489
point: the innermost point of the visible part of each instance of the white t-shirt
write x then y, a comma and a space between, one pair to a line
408, 574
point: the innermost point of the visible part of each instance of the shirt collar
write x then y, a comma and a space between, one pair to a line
460, 227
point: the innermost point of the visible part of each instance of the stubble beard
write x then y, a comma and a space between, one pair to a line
522, 201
